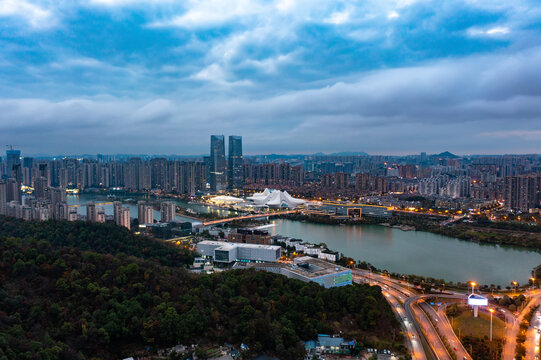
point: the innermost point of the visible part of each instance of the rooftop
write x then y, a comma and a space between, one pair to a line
229, 245
308, 267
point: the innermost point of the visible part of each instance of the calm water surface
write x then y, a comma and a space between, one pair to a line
416, 252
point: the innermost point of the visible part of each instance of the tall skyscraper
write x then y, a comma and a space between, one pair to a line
217, 163
13, 158
168, 211
28, 163
235, 162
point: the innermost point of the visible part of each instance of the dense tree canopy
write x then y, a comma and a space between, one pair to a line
62, 302
102, 238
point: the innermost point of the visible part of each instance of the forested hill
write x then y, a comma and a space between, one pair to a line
59, 302
106, 238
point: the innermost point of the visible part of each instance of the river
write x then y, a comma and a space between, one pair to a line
418, 252
406, 252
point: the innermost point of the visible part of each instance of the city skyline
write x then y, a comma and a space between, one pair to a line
391, 77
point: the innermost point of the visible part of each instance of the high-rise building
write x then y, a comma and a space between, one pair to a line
117, 211
28, 163
61, 210
100, 214
145, 213
13, 158
236, 178
125, 219
217, 163
3, 197
72, 214
520, 192
168, 211
91, 212
341, 180
40, 188
13, 191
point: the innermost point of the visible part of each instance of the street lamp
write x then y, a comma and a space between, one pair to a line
514, 286
533, 282
472, 286
491, 312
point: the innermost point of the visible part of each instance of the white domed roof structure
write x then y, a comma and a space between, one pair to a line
225, 200
275, 198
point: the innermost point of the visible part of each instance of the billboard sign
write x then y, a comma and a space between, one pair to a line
477, 300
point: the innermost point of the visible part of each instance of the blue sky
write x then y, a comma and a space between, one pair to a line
291, 76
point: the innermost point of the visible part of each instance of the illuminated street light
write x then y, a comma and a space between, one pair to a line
491, 312
472, 286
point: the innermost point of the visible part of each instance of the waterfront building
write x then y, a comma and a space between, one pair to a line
168, 211
91, 212
250, 236
117, 212
217, 163
275, 198
145, 213
235, 164
228, 253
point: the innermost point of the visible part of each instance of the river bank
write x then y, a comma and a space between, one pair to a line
463, 231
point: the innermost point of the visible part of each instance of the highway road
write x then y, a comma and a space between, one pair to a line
511, 331
532, 335
407, 321
417, 309
416, 317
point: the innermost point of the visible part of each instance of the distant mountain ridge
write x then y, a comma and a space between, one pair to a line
447, 154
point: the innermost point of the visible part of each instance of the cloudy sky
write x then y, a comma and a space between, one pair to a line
290, 76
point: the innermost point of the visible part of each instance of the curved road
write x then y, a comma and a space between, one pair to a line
418, 310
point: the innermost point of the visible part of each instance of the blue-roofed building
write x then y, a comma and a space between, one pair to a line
329, 344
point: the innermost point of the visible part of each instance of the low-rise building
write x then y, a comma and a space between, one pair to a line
227, 253
307, 269
250, 236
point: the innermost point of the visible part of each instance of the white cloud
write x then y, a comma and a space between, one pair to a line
113, 3
393, 15
38, 17
338, 17
211, 12
216, 74
271, 64
497, 31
